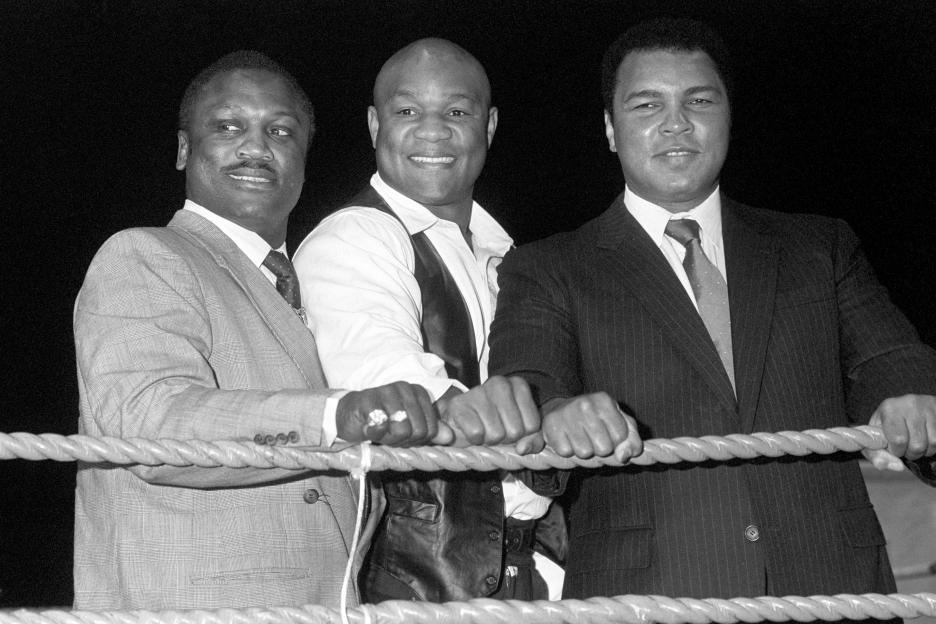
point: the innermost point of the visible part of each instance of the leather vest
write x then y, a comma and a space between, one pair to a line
441, 537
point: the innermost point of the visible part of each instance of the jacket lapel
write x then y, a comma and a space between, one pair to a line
752, 257
290, 331
639, 265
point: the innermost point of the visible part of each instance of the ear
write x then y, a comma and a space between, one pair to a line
373, 125
609, 131
492, 124
183, 150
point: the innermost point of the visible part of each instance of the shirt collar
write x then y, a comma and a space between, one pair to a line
249, 242
653, 218
486, 231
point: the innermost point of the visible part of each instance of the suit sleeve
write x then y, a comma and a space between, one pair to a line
144, 340
882, 355
533, 333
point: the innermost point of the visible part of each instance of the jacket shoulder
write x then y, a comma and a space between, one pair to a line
801, 227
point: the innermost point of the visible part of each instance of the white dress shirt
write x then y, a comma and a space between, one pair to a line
653, 220
364, 304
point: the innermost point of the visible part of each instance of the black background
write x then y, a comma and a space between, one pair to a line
835, 113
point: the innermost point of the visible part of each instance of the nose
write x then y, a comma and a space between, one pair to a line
255, 146
433, 128
676, 122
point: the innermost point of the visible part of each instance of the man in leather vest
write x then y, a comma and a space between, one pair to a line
401, 284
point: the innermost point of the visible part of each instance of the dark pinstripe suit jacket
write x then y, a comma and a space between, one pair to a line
817, 343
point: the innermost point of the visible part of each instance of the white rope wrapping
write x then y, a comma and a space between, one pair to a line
359, 473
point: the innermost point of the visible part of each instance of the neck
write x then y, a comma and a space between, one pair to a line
459, 214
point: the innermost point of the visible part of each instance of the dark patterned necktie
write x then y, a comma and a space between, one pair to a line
709, 288
287, 282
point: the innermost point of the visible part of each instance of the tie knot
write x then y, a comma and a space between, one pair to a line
279, 265
683, 230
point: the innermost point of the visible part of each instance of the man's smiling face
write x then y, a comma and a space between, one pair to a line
670, 126
431, 126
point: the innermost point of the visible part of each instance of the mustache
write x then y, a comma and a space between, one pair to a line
248, 164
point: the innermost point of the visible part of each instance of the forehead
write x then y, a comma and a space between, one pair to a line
660, 70
249, 90
446, 76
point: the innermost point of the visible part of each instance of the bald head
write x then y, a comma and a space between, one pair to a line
431, 125
431, 56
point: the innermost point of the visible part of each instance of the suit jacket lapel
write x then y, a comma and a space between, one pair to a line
293, 335
640, 266
752, 257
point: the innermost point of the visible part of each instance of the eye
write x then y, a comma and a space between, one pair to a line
646, 106
280, 131
228, 126
406, 112
700, 101
458, 113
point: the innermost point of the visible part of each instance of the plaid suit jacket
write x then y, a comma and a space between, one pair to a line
816, 342
179, 336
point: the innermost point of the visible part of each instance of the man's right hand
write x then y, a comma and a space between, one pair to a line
397, 414
499, 411
590, 425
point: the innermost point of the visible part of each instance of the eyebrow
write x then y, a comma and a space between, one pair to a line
653, 93
282, 112
451, 96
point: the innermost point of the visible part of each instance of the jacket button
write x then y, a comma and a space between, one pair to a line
496, 488
752, 533
491, 581
495, 536
270, 439
311, 496
281, 438
259, 439
293, 436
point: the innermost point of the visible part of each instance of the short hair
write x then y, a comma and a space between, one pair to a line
665, 33
233, 61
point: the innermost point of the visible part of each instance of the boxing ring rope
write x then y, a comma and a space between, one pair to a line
426, 458
620, 609
628, 609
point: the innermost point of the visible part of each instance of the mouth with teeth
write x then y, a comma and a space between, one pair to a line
677, 152
252, 179
432, 160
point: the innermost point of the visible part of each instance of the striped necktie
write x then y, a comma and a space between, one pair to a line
709, 288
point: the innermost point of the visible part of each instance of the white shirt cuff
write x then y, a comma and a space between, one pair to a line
329, 418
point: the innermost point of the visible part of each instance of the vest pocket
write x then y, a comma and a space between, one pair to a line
408, 508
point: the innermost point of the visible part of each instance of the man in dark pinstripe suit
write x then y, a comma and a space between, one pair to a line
811, 340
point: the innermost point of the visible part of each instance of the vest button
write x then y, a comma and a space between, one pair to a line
311, 496
259, 438
495, 536
491, 580
752, 533
496, 488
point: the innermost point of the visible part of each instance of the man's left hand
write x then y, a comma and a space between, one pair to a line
909, 424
